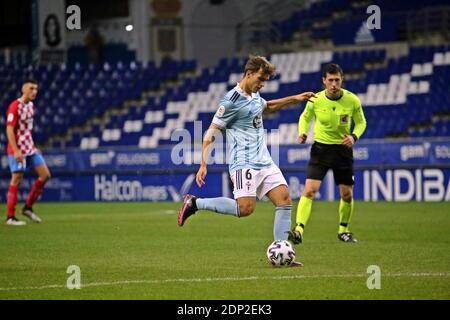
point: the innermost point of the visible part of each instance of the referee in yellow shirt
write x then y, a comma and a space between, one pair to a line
333, 110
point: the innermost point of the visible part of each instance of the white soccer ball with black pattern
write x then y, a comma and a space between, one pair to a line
280, 253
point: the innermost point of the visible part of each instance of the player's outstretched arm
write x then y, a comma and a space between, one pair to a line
206, 148
277, 104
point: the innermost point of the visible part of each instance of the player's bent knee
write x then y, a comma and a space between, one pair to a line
245, 213
15, 181
246, 210
347, 195
46, 177
286, 201
311, 193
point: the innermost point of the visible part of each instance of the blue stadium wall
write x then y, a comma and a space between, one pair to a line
416, 171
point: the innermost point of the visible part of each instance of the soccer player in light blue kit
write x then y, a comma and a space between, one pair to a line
251, 167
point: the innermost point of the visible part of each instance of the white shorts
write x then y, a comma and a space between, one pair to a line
251, 183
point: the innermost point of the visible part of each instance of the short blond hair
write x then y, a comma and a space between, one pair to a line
255, 63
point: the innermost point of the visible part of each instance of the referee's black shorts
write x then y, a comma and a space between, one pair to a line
337, 157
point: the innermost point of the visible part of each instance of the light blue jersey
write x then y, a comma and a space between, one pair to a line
241, 116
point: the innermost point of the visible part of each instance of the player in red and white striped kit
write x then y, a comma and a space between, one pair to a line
22, 153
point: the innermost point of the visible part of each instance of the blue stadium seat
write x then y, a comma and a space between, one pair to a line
89, 91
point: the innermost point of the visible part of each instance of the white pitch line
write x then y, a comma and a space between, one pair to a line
193, 280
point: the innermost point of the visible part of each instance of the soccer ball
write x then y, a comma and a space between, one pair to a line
280, 253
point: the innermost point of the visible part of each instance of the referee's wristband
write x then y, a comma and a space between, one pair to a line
355, 137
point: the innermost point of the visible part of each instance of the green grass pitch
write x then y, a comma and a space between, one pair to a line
137, 251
